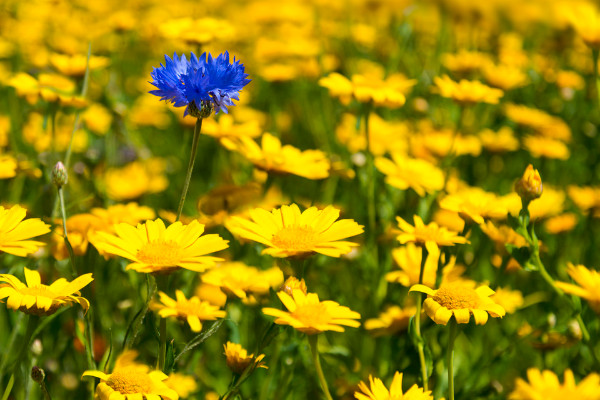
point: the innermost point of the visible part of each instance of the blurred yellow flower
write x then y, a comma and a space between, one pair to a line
384, 136
505, 77
97, 119
408, 259
153, 248
432, 236
459, 299
586, 198
585, 18
288, 232
292, 283
465, 62
225, 128
272, 157
561, 223
541, 122
404, 172
309, 315
238, 359
544, 385
466, 92
242, 280
589, 285
75, 65
377, 390
192, 310
391, 321
183, 385
510, 300
8, 166
15, 229
50, 87
475, 204
539, 146
136, 179
499, 142
39, 299
131, 381
197, 31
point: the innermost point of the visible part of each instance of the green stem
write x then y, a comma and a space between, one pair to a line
453, 328
420, 346
63, 212
595, 53
312, 341
162, 283
22, 355
371, 209
190, 168
11, 344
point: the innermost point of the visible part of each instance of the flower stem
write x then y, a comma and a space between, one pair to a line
453, 328
312, 341
190, 168
371, 209
595, 53
162, 283
63, 213
420, 346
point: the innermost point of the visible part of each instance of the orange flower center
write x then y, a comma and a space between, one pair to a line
299, 238
162, 252
312, 314
455, 297
130, 381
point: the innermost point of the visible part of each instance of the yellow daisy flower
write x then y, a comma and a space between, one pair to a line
467, 92
499, 142
431, 235
510, 300
243, 280
475, 204
309, 315
539, 146
561, 223
272, 157
393, 320
238, 359
292, 283
193, 310
544, 385
460, 299
38, 299
377, 390
404, 172
589, 285
136, 179
14, 231
291, 233
8, 166
153, 248
132, 381
183, 385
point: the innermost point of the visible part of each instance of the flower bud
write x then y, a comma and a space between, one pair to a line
205, 110
38, 374
292, 283
529, 187
59, 175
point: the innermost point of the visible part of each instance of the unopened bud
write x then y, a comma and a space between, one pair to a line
38, 375
529, 187
59, 175
293, 283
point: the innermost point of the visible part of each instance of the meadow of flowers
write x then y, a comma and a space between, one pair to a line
258, 199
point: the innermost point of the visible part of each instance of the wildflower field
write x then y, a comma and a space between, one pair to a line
259, 199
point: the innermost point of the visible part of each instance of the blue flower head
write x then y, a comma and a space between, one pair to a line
201, 84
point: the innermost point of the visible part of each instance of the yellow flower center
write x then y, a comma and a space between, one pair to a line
163, 252
130, 381
312, 314
299, 238
455, 297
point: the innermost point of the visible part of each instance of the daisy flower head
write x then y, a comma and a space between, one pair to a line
131, 381
459, 299
238, 358
201, 84
288, 232
309, 315
15, 229
544, 385
192, 310
431, 235
377, 390
155, 248
33, 297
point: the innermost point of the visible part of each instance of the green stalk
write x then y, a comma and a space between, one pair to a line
162, 282
63, 212
371, 209
420, 346
595, 53
312, 341
190, 168
453, 328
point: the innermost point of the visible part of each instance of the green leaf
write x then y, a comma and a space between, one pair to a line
198, 340
170, 358
521, 254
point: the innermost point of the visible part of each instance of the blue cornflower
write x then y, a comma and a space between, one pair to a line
202, 84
